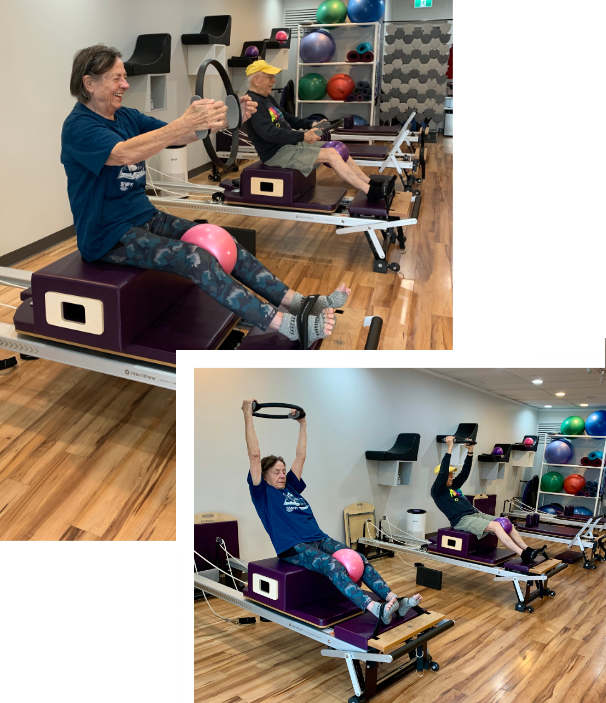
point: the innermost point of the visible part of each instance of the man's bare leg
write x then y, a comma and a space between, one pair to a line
342, 169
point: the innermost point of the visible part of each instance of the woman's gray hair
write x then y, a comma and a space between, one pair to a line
93, 61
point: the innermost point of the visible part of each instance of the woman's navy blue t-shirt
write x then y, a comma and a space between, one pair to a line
106, 201
285, 514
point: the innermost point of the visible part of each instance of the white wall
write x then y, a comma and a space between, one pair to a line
349, 411
39, 40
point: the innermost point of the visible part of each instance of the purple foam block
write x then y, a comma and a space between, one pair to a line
132, 298
205, 541
263, 184
318, 199
484, 505
358, 631
569, 556
463, 544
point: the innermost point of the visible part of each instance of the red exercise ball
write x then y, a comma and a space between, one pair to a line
574, 483
340, 86
216, 241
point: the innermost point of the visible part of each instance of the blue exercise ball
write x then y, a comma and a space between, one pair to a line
595, 424
317, 47
558, 452
582, 511
359, 121
366, 10
548, 509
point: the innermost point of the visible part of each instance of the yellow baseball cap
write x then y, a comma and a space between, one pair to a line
262, 65
451, 470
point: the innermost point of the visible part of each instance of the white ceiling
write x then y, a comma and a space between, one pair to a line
516, 384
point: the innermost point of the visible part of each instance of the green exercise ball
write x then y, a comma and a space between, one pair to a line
552, 482
573, 425
312, 86
331, 12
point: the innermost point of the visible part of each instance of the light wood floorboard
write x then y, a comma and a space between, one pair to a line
493, 654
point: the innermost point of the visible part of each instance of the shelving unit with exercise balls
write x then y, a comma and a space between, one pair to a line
562, 452
319, 44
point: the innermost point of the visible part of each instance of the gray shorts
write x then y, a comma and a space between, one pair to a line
302, 157
476, 523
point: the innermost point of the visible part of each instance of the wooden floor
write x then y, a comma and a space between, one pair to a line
493, 654
83, 456
416, 306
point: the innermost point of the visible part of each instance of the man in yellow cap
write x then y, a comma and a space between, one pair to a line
462, 515
287, 141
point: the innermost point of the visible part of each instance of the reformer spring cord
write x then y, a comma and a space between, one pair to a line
222, 544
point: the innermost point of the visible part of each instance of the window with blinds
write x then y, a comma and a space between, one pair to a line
293, 18
546, 428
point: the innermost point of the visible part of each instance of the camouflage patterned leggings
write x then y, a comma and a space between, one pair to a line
317, 556
156, 245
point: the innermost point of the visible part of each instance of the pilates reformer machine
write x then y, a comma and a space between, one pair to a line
370, 155
309, 604
459, 548
588, 536
285, 194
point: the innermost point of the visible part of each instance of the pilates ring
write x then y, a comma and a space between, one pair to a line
234, 115
257, 406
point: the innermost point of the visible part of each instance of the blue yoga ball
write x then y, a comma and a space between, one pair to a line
359, 121
317, 47
558, 452
595, 424
578, 510
366, 10
548, 509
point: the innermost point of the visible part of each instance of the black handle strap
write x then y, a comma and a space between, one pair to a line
8, 363
234, 115
297, 416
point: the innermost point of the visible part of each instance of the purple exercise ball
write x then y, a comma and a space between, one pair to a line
339, 147
252, 52
317, 47
497, 451
505, 523
558, 451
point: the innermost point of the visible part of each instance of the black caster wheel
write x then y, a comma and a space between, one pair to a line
529, 609
551, 594
434, 666
419, 180
356, 699
218, 197
394, 267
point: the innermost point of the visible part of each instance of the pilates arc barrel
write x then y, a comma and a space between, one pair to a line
259, 406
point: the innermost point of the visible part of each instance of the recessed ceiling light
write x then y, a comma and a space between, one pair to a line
548, 406
583, 405
538, 381
560, 394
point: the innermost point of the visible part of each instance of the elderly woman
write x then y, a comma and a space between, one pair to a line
278, 144
288, 520
103, 149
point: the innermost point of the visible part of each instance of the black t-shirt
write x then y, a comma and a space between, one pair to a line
450, 499
269, 129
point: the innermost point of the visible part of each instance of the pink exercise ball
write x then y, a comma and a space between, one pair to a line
352, 561
281, 36
216, 241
